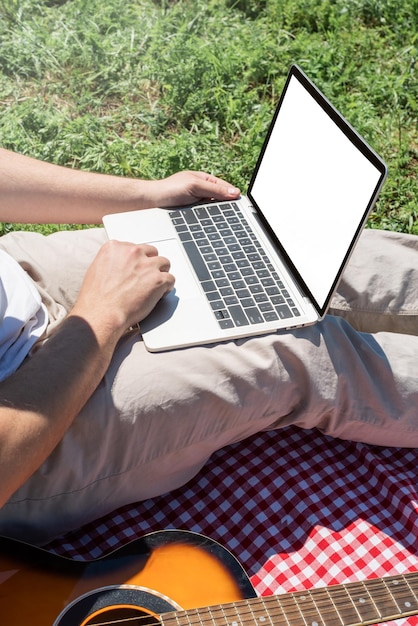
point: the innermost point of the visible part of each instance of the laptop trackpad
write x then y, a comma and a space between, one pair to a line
186, 285
185, 289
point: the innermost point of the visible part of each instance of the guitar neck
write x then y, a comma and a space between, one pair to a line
354, 604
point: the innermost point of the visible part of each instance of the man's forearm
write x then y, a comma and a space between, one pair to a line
40, 401
35, 191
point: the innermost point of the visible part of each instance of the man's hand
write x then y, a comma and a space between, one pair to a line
189, 187
123, 285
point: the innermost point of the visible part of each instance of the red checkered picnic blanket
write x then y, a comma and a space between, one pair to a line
298, 510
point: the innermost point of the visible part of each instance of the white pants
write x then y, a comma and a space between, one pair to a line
156, 418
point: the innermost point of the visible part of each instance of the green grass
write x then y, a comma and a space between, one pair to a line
148, 87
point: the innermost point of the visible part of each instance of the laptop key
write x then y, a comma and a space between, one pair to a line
208, 285
185, 236
238, 284
254, 316
212, 296
222, 314
252, 280
201, 212
261, 297
214, 265
196, 260
199, 235
189, 216
238, 315
284, 311
225, 324
270, 316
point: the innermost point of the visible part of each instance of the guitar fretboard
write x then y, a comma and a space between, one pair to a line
353, 604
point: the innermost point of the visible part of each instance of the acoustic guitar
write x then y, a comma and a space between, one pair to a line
178, 578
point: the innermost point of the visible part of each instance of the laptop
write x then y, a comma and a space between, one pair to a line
271, 260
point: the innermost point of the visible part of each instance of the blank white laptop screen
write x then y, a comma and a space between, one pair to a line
308, 170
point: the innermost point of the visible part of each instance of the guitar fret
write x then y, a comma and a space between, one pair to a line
307, 611
233, 614
275, 606
412, 581
290, 610
308, 608
261, 611
344, 605
382, 598
325, 608
363, 603
212, 613
174, 619
260, 615
179, 618
186, 621
402, 593
239, 613
192, 617
230, 615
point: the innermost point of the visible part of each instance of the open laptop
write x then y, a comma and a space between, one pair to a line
272, 259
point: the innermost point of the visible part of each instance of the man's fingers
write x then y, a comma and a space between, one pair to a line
152, 252
148, 249
215, 187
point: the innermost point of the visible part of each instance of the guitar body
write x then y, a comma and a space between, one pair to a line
164, 571
178, 578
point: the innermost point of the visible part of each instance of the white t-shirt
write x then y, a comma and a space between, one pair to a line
23, 317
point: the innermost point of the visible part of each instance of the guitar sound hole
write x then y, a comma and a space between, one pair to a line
122, 615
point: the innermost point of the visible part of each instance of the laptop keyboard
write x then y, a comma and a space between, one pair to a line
236, 275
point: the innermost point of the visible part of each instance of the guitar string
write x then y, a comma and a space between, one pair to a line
122, 621
284, 606
287, 604
322, 601
243, 618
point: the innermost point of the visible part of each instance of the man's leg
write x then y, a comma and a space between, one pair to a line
156, 418
379, 289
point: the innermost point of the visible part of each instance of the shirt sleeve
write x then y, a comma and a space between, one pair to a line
23, 317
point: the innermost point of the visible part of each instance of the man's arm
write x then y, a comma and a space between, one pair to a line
33, 191
40, 401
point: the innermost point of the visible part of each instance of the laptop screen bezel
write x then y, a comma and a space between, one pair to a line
359, 142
